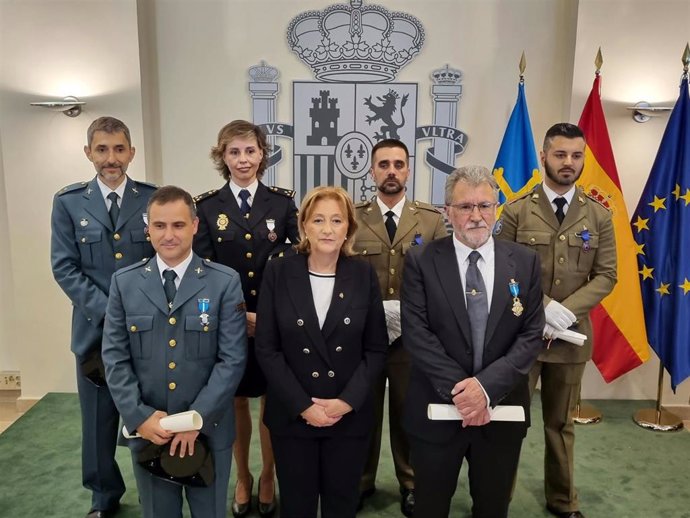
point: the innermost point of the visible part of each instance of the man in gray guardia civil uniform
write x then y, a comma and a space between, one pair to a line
389, 226
92, 236
175, 341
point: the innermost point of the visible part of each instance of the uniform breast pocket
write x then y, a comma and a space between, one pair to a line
534, 238
90, 243
200, 340
227, 236
580, 254
367, 248
140, 329
139, 236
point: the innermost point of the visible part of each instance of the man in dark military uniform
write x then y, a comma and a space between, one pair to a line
573, 235
97, 228
389, 225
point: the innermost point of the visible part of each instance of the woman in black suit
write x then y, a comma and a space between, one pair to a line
320, 339
241, 225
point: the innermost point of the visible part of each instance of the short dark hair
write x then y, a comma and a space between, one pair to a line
562, 129
390, 143
109, 125
242, 129
169, 194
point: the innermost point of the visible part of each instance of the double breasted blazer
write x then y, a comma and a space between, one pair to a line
162, 358
575, 275
437, 334
302, 361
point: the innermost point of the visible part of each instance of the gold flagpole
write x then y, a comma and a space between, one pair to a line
658, 419
585, 413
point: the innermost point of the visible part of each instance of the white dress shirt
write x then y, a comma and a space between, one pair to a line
105, 191
180, 269
552, 195
236, 191
397, 209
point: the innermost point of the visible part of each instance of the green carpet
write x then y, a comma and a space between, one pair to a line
622, 470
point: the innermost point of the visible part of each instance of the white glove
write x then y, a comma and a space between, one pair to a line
550, 332
558, 316
392, 309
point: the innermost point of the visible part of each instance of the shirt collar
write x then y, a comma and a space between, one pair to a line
180, 269
105, 190
397, 208
551, 195
236, 188
463, 251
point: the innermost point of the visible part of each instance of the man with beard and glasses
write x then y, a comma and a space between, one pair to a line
573, 234
472, 321
97, 228
389, 225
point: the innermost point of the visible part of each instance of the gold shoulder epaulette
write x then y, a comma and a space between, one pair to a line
205, 195
72, 187
600, 199
285, 192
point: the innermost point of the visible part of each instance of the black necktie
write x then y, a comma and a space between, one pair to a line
391, 227
477, 309
560, 203
169, 286
244, 205
114, 208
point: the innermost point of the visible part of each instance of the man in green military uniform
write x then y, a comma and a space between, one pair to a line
573, 235
389, 225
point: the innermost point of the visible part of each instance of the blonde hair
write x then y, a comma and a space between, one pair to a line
337, 194
241, 129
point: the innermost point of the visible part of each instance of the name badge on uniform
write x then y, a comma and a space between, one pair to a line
271, 225
584, 235
203, 305
515, 291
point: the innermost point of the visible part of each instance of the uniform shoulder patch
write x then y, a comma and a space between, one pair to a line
205, 195
362, 204
528, 194
72, 187
285, 192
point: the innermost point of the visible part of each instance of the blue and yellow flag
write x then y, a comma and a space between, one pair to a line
661, 227
516, 169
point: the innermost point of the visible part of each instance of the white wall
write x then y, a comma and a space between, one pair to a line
175, 71
642, 62
50, 49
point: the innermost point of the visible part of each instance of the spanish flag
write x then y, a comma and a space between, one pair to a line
620, 337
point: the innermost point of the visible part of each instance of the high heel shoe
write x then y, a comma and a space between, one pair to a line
267, 510
241, 510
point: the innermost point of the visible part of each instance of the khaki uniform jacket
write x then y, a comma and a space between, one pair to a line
577, 278
419, 223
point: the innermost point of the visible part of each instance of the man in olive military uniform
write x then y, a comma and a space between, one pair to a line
573, 235
98, 228
389, 225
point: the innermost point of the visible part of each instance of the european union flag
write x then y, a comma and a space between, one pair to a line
516, 169
662, 231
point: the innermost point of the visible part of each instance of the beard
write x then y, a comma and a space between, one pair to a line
557, 179
391, 186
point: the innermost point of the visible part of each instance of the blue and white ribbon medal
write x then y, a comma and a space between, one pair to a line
515, 291
203, 305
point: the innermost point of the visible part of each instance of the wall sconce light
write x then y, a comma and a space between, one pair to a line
643, 111
70, 106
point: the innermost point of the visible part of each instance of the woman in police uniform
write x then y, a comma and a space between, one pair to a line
241, 225
321, 340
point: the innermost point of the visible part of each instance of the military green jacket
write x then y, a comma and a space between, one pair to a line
576, 272
419, 224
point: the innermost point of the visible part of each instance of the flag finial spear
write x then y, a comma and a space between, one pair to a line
523, 66
598, 61
686, 58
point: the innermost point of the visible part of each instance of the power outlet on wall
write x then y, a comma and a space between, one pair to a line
10, 380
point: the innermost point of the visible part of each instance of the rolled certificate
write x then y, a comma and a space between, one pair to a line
182, 422
438, 412
572, 336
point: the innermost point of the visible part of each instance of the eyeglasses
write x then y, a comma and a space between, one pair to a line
466, 209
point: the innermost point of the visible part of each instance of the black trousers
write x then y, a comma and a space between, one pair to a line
492, 452
327, 467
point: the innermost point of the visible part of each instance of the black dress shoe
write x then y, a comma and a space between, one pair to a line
565, 514
267, 510
407, 501
363, 496
102, 513
241, 510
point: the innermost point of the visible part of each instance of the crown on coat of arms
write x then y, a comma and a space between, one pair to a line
355, 43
